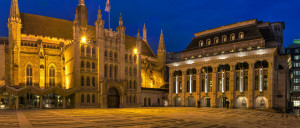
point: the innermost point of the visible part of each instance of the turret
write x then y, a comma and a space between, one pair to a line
82, 13
14, 37
145, 33
99, 25
161, 55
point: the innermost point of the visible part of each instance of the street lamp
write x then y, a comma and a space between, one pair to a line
135, 51
83, 39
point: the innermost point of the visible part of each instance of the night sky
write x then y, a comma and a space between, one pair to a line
179, 19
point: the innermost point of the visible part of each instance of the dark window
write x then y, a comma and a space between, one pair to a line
256, 82
88, 98
265, 82
227, 83
82, 98
194, 86
93, 81
87, 81
82, 81
237, 83
246, 83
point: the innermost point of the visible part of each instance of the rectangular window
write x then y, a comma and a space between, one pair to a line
297, 57
296, 80
188, 86
296, 73
296, 88
203, 85
296, 65
296, 51
296, 103
194, 85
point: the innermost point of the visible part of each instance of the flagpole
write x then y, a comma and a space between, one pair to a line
109, 19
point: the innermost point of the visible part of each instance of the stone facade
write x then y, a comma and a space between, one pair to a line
240, 65
72, 64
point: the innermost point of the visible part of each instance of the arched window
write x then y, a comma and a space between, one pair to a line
88, 98
93, 81
134, 58
105, 53
237, 85
134, 84
216, 40
87, 81
130, 84
82, 64
149, 102
82, 49
116, 55
201, 43
110, 54
82, 98
93, 51
93, 98
29, 75
134, 99
130, 58
208, 42
135, 71
116, 71
246, 83
265, 82
145, 101
126, 70
110, 71
130, 71
241, 35
256, 82
82, 81
52, 76
105, 70
224, 38
88, 66
126, 58
232, 37
88, 50
93, 65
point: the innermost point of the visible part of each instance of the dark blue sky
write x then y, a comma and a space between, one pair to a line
179, 19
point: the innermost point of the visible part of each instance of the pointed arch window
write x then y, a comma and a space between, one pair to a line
216, 40
93, 99
105, 53
88, 98
88, 50
93, 65
93, 51
82, 81
82, 49
29, 75
241, 35
93, 81
82, 98
82, 64
52, 76
201, 43
105, 70
88, 66
116, 71
116, 56
87, 81
111, 71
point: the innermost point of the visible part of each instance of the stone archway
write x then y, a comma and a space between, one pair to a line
241, 102
113, 98
260, 102
177, 101
191, 101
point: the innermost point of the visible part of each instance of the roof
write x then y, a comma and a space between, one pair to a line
53, 27
294, 45
251, 31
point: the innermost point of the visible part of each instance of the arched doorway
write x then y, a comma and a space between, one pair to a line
191, 102
241, 102
223, 102
113, 98
260, 102
206, 102
177, 101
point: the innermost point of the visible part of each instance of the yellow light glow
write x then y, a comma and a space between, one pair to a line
83, 39
135, 51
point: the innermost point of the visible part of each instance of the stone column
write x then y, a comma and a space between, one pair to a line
232, 84
198, 86
251, 84
41, 102
270, 97
17, 102
64, 102
214, 87
170, 87
183, 87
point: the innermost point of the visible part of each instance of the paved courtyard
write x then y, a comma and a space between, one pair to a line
147, 118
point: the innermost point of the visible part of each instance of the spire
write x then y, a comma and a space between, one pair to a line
145, 33
161, 45
14, 15
99, 16
121, 20
81, 2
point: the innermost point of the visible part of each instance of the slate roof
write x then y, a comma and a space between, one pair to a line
251, 32
53, 27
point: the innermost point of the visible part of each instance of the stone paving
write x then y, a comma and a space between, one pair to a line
168, 117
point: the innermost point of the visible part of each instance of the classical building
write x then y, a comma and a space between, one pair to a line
294, 51
54, 63
241, 65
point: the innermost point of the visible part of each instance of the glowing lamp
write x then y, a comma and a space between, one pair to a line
135, 51
83, 39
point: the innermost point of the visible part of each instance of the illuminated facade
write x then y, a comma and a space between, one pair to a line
240, 65
54, 63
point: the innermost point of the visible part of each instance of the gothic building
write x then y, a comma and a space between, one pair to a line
54, 63
241, 65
